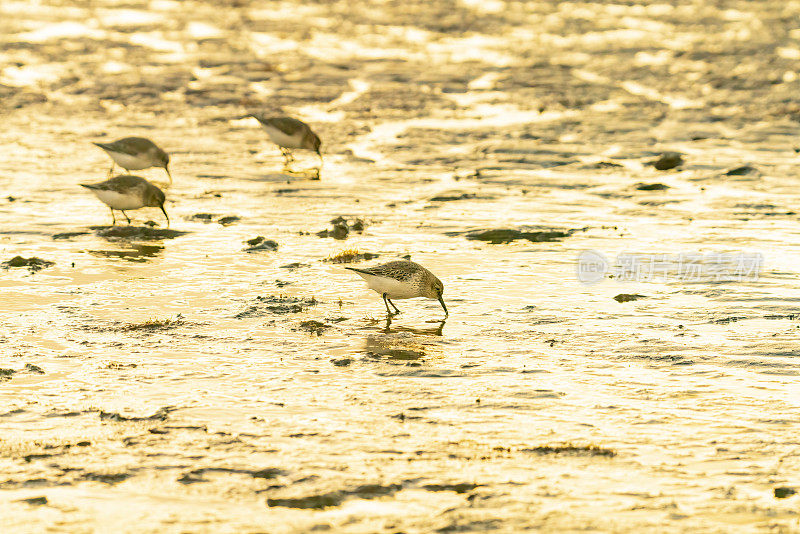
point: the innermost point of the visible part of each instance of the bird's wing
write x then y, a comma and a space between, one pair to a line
120, 184
287, 125
388, 270
133, 146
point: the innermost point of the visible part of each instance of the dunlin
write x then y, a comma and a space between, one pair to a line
136, 153
289, 134
402, 279
126, 192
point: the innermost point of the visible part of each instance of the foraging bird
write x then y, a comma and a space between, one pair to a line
136, 153
288, 134
126, 192
402, 279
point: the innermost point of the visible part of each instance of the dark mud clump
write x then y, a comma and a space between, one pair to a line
35, 501
783, 492
6, 374
450, 196
603, 165
582, 450
196, 475
744, 170
229, 220
267, 473
506, 235
314, 327
341, 228
137, 253
336, 498
727, 320
107, 478
396, 354
276, 305
117, 365
337, 231
160, 415
136, 232
209, 217
628, 297
316, 502
357, 225
350, 255
153, 324
667, 161
260, 244
462, 487
33, 263
68, 235
34, 369
652, 187
292, 266
31, 457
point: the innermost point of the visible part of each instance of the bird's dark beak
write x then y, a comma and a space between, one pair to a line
320, 156
167, 216
441, 301
166, 168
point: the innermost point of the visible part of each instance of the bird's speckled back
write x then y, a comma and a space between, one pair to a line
410, 272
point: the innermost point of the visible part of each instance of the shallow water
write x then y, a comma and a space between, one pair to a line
236, 413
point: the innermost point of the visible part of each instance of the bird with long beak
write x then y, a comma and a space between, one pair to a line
402, 279
290, 134
136, 153
126, 192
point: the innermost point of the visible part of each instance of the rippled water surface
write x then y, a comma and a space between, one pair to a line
176, 383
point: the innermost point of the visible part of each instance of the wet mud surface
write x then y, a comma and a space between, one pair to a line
166, 380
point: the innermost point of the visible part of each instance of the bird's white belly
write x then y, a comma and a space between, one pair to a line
131, 163
118, 201
394, 289
281, 139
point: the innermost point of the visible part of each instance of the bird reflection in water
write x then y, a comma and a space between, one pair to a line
429, 331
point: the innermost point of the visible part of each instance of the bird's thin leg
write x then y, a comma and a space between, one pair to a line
393, 306
113, 219
126, 216
111, 170
386, 302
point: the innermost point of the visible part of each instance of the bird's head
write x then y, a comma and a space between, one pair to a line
315, 143
435, 290
155, 197
165, 163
